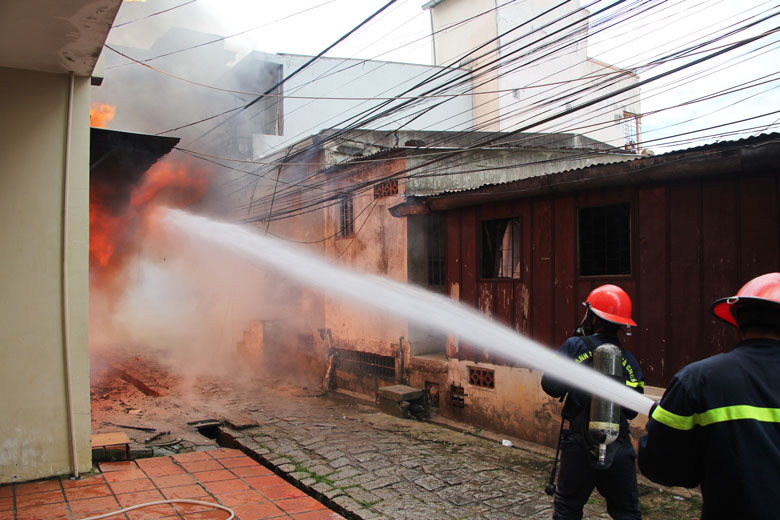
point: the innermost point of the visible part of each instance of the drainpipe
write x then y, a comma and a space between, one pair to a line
64, 277
401, 361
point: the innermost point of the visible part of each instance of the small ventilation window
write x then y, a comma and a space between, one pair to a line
457, 396
386, 189
365, 363
346, 217
482, 377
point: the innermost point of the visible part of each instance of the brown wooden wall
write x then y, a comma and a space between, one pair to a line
692, 241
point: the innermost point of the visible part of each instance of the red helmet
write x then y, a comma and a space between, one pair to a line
762, 292
611, 303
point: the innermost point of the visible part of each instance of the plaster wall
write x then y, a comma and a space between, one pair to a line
373, 248
34, 432
516, 407
526, 89
453, 46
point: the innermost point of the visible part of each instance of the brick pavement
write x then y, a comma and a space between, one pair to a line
362, 463
221, 476
375, 466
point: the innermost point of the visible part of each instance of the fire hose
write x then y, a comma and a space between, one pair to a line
160, 502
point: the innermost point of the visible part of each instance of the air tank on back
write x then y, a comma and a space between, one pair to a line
604, 424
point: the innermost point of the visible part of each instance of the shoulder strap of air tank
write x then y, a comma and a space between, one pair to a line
589, 343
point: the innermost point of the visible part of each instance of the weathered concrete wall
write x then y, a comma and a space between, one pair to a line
518, 93
34, 431
372, 248
517, 406
450, 46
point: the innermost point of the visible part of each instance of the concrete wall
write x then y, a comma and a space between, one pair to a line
455, 41
520, 92
376, 247
516, 407
34, 431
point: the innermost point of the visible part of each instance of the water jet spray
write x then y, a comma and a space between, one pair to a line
413, 303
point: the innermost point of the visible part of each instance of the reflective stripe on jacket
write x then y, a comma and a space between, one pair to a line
718, 426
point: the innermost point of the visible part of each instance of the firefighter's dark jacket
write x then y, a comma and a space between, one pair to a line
576, 402
718, 426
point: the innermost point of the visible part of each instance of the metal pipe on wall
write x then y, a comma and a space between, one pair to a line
64, 279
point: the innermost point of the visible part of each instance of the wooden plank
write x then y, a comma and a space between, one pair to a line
453, 250
109, 439
468, 253
758, 229
685, 274
504, 302
453, 272
487, 306
565, 257
486, 211
504, 313
720, 250
469, 266
504, 209
651, 265
542, 268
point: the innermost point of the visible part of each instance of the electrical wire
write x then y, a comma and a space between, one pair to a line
689, 52
217, 40
153, 14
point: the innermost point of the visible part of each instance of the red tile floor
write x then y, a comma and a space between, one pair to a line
222, 476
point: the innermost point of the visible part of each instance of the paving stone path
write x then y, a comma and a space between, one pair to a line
360, 461
376, 466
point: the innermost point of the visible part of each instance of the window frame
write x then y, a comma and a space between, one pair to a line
625, 121
632, 227
346, 223
517, 256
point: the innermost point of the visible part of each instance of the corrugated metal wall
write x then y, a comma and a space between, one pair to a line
692, 241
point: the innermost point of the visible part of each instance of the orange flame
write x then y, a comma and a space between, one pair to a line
114, 233
100, 114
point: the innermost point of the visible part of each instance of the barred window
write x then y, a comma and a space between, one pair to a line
631, 131
346, 217
501, 248
604, 236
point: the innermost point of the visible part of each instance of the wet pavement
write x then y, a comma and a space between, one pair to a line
191, 481
356, 459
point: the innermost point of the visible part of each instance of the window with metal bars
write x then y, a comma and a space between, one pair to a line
604, 236
346, 217
437, 249
457, 396
631, 131
482, 377
365, 363
501, 248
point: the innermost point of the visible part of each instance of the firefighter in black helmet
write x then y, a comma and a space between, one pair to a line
608, 308
718, 423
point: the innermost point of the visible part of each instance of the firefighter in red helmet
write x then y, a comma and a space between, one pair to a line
718, 423
608, 308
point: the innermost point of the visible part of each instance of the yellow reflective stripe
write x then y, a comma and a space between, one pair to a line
716, 415
672, 420
735, 413
635, 384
